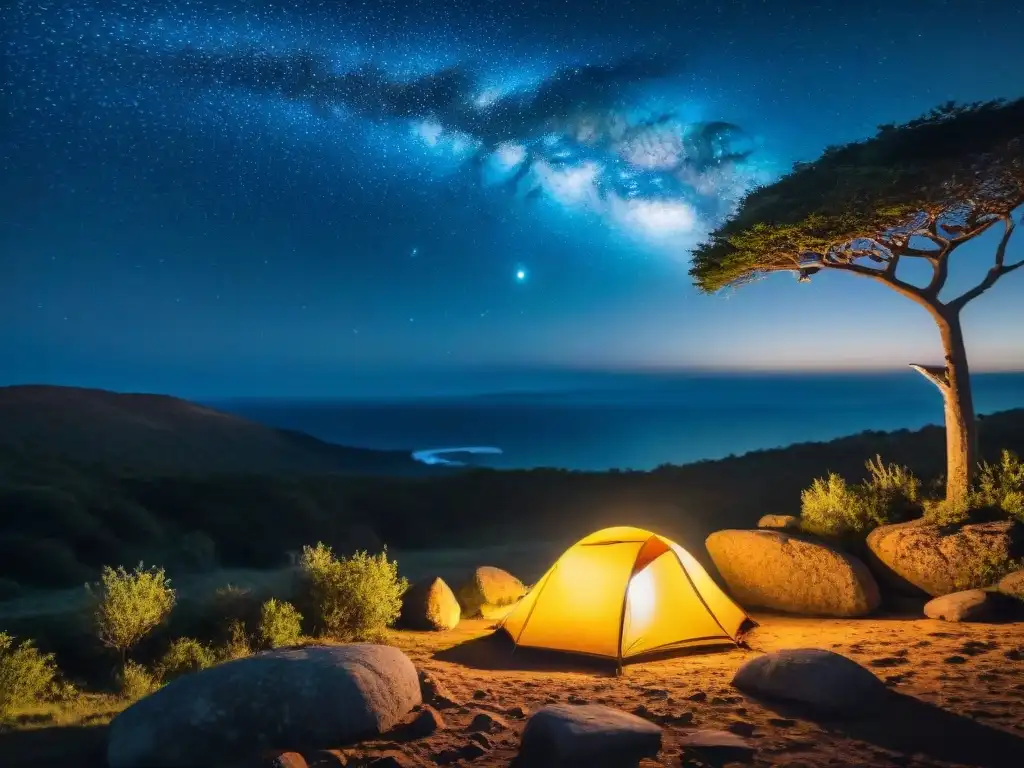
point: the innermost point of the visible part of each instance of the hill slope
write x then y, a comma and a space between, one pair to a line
158, 434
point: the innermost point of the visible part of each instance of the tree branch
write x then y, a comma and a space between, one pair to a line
905, 289
999, 268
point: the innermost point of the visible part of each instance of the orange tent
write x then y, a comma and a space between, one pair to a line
624, 592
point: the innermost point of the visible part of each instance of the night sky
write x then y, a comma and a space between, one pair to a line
332, 198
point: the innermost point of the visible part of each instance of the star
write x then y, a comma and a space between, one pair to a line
520, 275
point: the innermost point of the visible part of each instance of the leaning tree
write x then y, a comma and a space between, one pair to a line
918, 192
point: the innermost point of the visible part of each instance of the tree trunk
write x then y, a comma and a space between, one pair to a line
961, 426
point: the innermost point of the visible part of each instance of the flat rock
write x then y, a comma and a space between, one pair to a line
816, 678
779, 571
919, 556
780, 523
295, 699
566, 736
489, 588
430, 605
718, 746
969, 605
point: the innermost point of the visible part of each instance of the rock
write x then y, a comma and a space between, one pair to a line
286, 760
742, 728
291, 699
776, 570
593, 735
478, 695
517, 713
430, 605
919, 556
820, 679
434, 692
698, 696
780, 523
1012, 585
427, 721
328, 758
487, 587
485, 722
469, 751
970, 605
716, 747
481, 739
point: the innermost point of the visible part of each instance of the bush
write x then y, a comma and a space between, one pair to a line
831, 507
237, 644
184, 656
280, 624
128, 606
26, 675
355, 598
135, 681
1001, 486
945, 513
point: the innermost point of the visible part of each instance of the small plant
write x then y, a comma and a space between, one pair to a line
185, 655
831, 507
355, 598
127, 606
1001, 485
135, 681
891, 492
947, 513
280, 624
237, 644
987, 569
26, 674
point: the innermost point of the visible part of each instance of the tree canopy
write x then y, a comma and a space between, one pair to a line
917, 190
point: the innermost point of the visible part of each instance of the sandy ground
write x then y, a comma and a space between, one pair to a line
958, 695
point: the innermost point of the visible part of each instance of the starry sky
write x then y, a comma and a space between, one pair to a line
302, 198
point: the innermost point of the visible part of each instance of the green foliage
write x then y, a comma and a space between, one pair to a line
26, 675
135, 681
947, 513
986, 570
280, 624
355, 598
129, 605
1001, 485
957, 157
184, 656
236, 646
832, 507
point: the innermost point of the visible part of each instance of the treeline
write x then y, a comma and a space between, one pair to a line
60, 522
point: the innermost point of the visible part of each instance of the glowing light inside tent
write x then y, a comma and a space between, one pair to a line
640, 599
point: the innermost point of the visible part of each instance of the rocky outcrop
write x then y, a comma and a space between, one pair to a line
819, 679
488, 588
430, 605
296, 699
560, 736
780, 523
779, 571
920, 556
1012, 585
969, 605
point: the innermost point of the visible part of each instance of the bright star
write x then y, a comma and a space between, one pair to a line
520, 275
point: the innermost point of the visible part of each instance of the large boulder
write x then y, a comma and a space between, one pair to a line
922, 557
587, 736
776, 570
297, 699
969, 605
819, 679
780, 523
1012, 584
489, 587
430, 605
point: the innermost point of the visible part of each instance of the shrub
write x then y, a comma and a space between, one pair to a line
236, 646
891, 492
185, 655
26, 675
135, 681
1001, 486
945, 513
355, 598
128, 606
280, 624
831, 507
987, 569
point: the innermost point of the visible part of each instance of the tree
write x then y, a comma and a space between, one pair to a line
127, 606
914, 191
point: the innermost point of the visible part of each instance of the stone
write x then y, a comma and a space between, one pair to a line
969, 605
716, 747
468, 751
427, 721
593, 736
285, 760
819, 679
517, 713
328, 758
1012, 585
921, 557
435, 693
486, 722
430, 605
780, 523
489, 587
296, 699
779, 571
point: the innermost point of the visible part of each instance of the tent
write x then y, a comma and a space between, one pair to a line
621, 593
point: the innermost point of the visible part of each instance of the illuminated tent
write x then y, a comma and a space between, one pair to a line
621, 593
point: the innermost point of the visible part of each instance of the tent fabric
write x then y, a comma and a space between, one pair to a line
624, 592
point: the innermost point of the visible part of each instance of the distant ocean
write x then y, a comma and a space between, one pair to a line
637, 425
